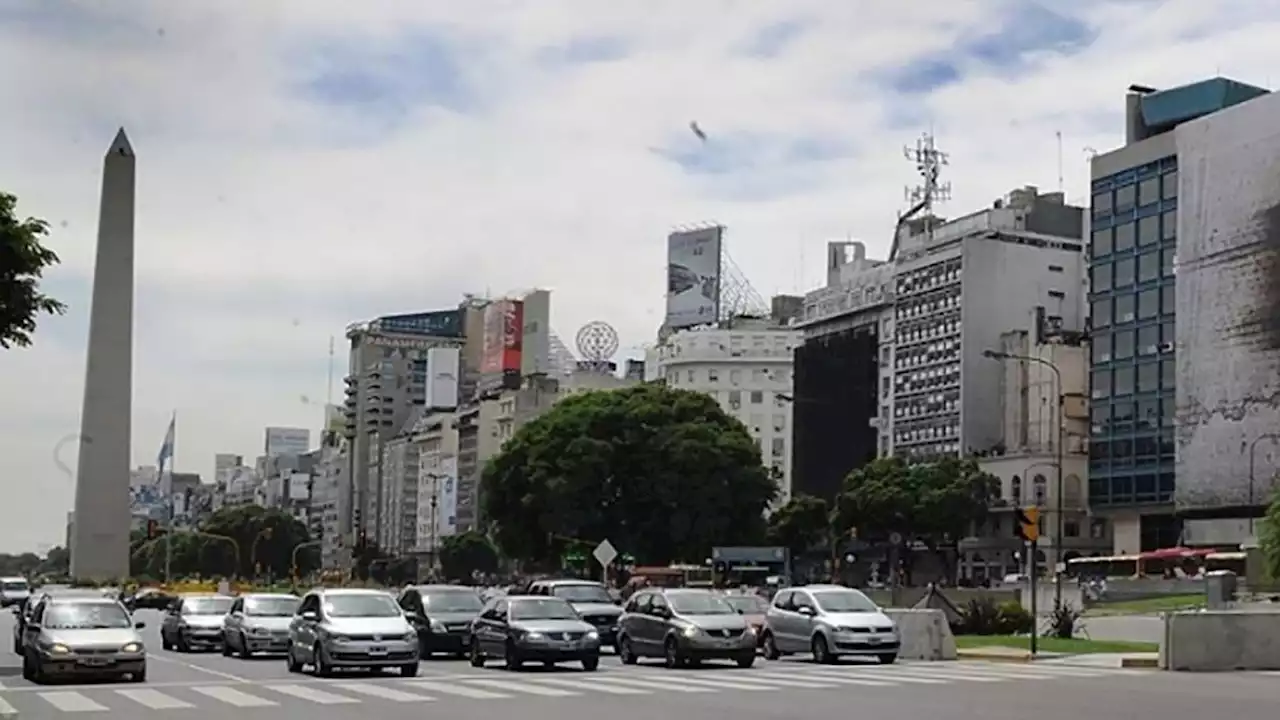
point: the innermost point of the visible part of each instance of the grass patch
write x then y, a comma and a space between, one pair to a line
1166, 603
1073, 646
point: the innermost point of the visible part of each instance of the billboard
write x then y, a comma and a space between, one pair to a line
693, 277
1227, 309
447, 498
444, 368
445, 323
503, 341
286, 441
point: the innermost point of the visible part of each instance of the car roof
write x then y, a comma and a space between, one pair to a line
444, 588
540, 598
264, 596
687, 591
197, 595
10, 578
83, 600
349, 591
567, 581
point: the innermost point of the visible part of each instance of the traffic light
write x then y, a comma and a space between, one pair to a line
1029, 524
152, 529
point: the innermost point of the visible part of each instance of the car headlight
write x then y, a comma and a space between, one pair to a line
410, 636
438, 627
132, 648
533, 636
593, 635
749, 631
259, 631
846, 629
338, 638
691, 631
59, 649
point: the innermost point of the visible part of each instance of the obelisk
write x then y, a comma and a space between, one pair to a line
100, 539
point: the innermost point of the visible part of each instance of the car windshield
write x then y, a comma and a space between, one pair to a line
14, 585
86, 616
206, 606
447, 602
747, 604
843, 601
542, 609
582, 593
361, 606
271, 606
699, 603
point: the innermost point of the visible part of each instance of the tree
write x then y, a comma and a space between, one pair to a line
663, 474
467, 553
800, 525
23, 259
1269, 539
266, 538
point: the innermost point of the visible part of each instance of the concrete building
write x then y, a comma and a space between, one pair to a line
436, 437
958, 287
329, 506
99, 543
1135, 296
747, 368
400, 460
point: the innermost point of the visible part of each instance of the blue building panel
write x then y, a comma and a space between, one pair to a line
1180, 104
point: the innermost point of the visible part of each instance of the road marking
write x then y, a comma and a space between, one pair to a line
837, 679
154, 699
884, 676
602, 686
717, 684
199, 668
312, 694
656, 684
71, 702
948, 674
797, 681
231, 696
383, 692
7, 710
521, 688
459, 690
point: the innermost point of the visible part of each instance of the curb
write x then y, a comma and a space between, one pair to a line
1140, 662
994, 656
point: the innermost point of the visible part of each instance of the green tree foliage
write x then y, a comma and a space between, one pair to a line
1269, 539
467, 553
801, 525
664, 474
264, 540
56, 564
23, 260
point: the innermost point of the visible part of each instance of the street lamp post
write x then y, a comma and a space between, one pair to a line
1253, 446
1058, 506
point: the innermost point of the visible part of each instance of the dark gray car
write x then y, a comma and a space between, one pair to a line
684, 627
528, 628
442, 615
592, 601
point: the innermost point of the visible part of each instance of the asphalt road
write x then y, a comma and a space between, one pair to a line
210, 686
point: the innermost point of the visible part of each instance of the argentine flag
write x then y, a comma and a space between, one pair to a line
166, 449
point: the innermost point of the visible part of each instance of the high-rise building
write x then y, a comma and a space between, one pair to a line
1136, 228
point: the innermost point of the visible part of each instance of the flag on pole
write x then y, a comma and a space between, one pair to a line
166, 449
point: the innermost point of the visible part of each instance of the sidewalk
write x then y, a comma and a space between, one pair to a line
1110, 660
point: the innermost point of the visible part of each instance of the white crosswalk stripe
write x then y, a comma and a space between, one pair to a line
605, 686
312, 694
520, 687
232, 696
457, 690
654, 683
154, 699
383, 692
833, 679
7, 710
69, 701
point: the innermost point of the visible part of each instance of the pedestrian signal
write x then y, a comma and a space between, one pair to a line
1029, 524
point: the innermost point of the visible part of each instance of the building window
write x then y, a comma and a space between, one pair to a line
1169, 225
1101, 273
1125, 197
713, 376
1148, 340
1148, 192
1122, 381
1101, 242
1168, 374
1149, 230
1149, 266
1168, 299
778, 447
1148, 378
1101, 314
1124, 308
1124, 237
1169, 185
1101, 349
735, 376
1122, 345
1101, 384
1102, 204
757, 397
1149, 303
735, 398
1124, 272
1015, 490
1041, 489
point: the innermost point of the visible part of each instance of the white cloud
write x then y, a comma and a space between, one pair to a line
267, 221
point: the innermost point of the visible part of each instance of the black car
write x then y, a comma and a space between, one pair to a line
442, 615
592, 601
530, 628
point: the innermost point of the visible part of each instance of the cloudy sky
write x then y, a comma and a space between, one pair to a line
306, 163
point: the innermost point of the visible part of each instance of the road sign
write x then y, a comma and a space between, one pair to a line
605, 553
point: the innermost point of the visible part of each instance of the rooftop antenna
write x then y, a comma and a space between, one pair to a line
328, 398
1059, 135
929, 161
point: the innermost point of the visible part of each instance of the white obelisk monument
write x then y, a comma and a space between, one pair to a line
100, 537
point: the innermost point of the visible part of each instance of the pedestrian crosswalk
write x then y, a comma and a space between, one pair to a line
497, 685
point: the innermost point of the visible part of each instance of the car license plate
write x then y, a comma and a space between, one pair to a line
96, 662
377, 651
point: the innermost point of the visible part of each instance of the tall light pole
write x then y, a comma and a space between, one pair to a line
1253, 446
1058, 506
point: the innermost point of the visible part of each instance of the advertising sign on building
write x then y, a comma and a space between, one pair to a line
444, 367
446, 323
503, 343
286, 441
693, 277
447, 498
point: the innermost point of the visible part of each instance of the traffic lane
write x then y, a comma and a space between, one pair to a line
10, 663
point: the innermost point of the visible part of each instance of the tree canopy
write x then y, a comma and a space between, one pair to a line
1269, 539
466, 553
23, 260
801, 524
264, 542
663, 474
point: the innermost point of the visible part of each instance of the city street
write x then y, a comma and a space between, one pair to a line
213, 686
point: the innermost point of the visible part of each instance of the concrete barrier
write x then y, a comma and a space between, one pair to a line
925, 634
1221, 640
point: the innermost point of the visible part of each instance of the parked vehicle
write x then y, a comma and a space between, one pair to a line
829, 621
82, 636
351, 628
531, 628
684, 626
258, 623
194, 622
14, 591
442, 616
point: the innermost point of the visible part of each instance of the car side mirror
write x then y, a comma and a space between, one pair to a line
309, 615
664, 613
741, 611
807, 611
139, 625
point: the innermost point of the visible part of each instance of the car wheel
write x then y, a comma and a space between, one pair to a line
887, 658
182, 645
771, 647
671, 654
626, 653
226, 647
28, 669
140, 676
512, 657
410, 670
591, 663
821, 653
17, 647
291, 661
747, 660
321, 664
474, 654
164, 641
245, 652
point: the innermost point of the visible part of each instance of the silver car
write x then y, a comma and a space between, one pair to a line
82, 636
13, 591
351, 628
194, 622
828, 621
258, 623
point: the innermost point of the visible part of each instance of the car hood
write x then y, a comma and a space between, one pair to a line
716, 622
113, 637
16, 594
592, 608
388, 626
268, 622
552, 626
874, 618
203, 621
453, 618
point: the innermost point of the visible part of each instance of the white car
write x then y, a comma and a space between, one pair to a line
829, 621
